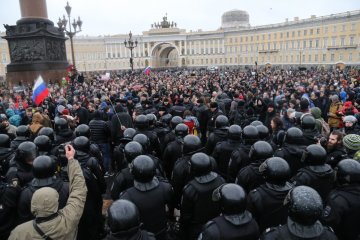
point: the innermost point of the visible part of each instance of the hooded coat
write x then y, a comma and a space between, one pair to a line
61, 224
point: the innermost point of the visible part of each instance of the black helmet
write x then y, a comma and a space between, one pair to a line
143, 140
26, 152
181, 130
275, 170
263, 131
307, 121
348, 171
297, 117
221, 122
232, 198
166, 119
23, 131
4, 141
305, 205
192, 144
47, 131
141, 122
294, 135
143, 168
151, 118
81, 144
132, 150
175, 121
260, 150
234, 132
83, 130
122, 216
129, 133
61, 124
43, 143
200, 164
44, 170
250, 135
314, 155
256, 123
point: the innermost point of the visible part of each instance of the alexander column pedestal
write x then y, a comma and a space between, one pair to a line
36, 46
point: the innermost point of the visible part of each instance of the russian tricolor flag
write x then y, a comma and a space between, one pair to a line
147, 70
40, 91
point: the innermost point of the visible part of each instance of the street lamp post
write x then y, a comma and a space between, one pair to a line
130, 44
62, 23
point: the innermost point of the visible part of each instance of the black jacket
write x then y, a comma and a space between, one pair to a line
291, 153
335, 156
100, 131
218, 135
222, 154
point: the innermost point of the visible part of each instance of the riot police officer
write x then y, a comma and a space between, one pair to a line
175, 120
124, 222
90, 224
224, 149
196, 206
44, 169
316, 173
305, 209
47, 131
343, 204
173, 150
142, 126
124, 179
264, 133
266, 201
219, 134
22, 135
150, 196
119, 155
6, 154
63, 132
308, 126
292, 149
240, 156
249, 177
235, 222
20, 172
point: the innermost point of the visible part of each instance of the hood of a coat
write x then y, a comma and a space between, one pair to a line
44, 202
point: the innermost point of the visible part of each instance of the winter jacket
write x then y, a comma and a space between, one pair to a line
64, 224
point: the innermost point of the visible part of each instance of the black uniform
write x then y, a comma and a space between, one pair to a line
218, 135
222, 153
151, 200
154, 141
266, 203
292, 153
239, 159
8, 203
226, 227
64, 136
196, 205
172, 152
334, 156
249, 177
24, 205
6, 154
91, 221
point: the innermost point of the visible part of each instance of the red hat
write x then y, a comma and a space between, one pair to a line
65, 112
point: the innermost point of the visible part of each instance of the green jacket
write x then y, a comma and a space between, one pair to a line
64, 225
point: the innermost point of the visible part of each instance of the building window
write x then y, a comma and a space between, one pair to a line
333, 41
192, 61
341, 56
268, 46
292, 58
287, 34
305, 32
303, 57
246, 39
221, 60
350, 56
280, 58
269, 36
332, 58
274, 45
293, 34
311, 31
263, 37
292, 44
324, 57
316, 57
3, 59
251, 38
353, 26
325, 42
299, 33
257, 38
310, 44
206, 61
334, 29
342, 41
351, 41
318, 31
343, 28
326, 30
281, 35
317, 43
304, 44
274, 35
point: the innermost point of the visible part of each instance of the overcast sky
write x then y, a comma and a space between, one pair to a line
120, 16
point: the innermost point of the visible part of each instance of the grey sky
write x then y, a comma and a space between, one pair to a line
120, 16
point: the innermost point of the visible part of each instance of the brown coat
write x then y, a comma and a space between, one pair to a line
64, 226
334, 120
36, 123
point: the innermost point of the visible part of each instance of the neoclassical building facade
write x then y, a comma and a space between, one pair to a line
325, 40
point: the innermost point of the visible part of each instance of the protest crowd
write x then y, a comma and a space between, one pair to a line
263, 153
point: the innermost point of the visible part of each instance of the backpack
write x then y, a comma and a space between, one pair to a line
325, 128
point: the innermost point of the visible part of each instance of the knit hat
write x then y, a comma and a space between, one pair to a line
352, 142
316, 112
334, 98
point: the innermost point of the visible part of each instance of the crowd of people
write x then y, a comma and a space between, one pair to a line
184, 154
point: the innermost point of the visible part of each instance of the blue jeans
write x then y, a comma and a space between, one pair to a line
105, 150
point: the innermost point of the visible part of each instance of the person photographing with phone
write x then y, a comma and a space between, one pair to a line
51, 223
